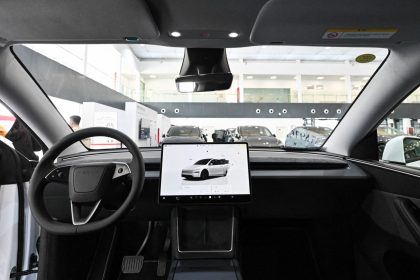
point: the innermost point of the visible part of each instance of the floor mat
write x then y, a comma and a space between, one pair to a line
276, 252
148, 272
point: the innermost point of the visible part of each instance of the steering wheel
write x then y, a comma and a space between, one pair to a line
87, 183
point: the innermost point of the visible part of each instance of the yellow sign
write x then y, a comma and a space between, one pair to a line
365, 58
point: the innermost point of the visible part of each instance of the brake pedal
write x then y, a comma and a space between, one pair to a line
132, 264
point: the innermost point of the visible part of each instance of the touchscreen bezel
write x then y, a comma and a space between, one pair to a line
187, 199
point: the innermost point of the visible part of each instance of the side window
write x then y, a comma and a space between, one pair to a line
17, 133
399, 133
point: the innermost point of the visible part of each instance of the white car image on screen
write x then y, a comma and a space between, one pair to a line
206, 168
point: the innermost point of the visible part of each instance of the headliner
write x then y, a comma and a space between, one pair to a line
205, 23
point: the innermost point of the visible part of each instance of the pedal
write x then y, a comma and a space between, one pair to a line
132, 264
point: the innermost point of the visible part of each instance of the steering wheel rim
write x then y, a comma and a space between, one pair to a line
46, 166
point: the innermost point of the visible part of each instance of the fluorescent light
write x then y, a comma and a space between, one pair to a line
273, 77
250, 77
365, 78
320, 78
233, 34
175, 34
152, 76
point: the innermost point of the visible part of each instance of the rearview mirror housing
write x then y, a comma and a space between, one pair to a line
206, 82
204, 69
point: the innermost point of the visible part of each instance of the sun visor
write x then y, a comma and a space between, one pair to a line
323, 22
76, 20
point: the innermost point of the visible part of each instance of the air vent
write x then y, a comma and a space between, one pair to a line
297, 165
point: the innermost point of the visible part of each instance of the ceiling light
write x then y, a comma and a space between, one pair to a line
320, 78
233, 34
249, 77
273, 77
175, 34
365, 78
152, 76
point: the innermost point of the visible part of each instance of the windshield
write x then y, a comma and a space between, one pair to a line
184, 131
202, 161
275, 90
254, 131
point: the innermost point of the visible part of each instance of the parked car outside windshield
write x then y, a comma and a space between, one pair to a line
257, 136
307, 137
183, 134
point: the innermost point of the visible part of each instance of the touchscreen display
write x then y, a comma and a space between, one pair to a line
205, 172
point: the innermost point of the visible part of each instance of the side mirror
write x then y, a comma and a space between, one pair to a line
274, 135
164, 135
404, 150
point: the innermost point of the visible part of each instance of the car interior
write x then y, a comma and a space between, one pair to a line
334, 210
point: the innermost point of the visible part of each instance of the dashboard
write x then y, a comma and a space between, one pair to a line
298, 185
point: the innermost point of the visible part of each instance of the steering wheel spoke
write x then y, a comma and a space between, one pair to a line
59, 175
121, 169
77, 217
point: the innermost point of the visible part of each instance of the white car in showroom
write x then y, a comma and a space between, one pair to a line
206, 168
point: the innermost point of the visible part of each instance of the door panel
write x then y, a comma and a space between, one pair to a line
387, 244
9, 216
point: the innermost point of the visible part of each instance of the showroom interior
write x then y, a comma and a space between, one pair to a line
279, 87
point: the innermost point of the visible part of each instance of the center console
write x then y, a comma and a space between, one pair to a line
203, 182
204, 243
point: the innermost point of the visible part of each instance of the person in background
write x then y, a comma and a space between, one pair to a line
75, 122
3, 131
